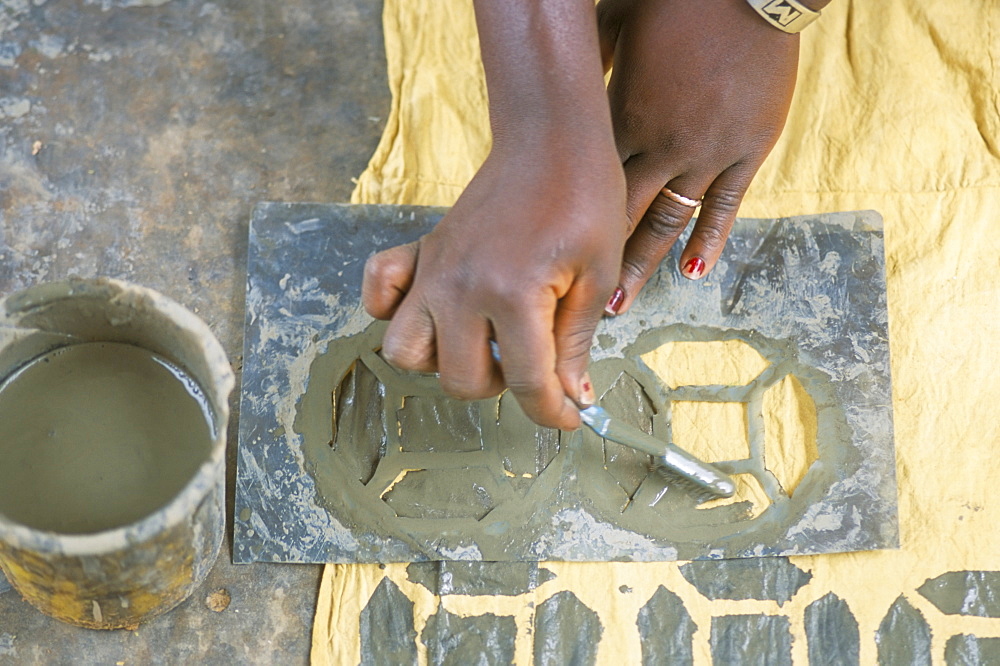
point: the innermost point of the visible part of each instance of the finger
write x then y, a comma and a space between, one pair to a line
409, 341
644, 181
662, 224
715, 221
575, 321
464, 359
644, 178
525, 339
387, 279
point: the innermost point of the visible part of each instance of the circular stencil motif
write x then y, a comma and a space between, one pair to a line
398, 446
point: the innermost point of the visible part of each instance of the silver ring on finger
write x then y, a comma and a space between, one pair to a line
680, 198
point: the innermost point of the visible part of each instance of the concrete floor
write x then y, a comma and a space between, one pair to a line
135, 138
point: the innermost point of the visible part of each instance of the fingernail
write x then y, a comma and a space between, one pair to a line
693, 269
587, 396
615, 303
572, 408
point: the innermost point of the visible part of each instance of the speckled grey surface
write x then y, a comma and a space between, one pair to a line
135, 138
807, 293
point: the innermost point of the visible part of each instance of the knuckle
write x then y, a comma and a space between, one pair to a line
376, 267
725, 202
383, 269
529, 388
633, 216
575, 355
406, 357
633, 269
713, 235
629, 119
517, 297
664, 222
575, 338
464, 388
675, 145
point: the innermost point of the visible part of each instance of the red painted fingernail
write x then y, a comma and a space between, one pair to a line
693, 269
616, 301
587, 396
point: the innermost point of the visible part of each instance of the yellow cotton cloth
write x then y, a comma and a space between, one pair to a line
897, 109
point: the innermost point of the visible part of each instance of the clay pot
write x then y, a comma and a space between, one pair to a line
126, 574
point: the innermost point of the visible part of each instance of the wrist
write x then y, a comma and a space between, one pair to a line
583, 159
554, 134
789, 16
544, 74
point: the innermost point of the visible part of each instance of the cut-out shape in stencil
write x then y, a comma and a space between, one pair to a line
387, 633
359, 407
626, 400
442, 493
523, 463
975, 593
566, 630
445, 425
904, 635
343, 458
665, 629
761, 578
789, 432
712, 431
832, 632
464, 639
749, 497
689, 363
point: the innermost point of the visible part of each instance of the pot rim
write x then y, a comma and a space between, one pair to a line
221, 382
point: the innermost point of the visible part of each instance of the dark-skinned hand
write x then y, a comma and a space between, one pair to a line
531, 271
699, 92
530, 252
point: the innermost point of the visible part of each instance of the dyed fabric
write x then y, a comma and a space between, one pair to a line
898, 110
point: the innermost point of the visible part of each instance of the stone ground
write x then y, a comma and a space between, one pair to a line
135, 138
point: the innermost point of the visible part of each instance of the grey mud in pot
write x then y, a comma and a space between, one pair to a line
96, 436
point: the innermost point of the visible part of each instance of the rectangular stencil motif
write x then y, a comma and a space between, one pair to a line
343, 458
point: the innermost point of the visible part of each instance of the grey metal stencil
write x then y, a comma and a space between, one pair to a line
342, 458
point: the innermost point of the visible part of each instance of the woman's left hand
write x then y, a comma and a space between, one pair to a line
699, 93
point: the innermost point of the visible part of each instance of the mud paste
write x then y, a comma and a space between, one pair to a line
98, 435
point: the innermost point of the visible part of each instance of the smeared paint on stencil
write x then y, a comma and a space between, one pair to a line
343, 458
